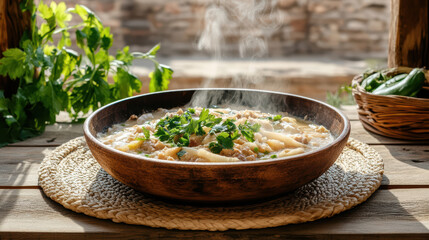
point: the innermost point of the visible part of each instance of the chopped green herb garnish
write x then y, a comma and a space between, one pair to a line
177, 130
181, 153
235, 135
163, 134
249, 130
146, 133
273, 156
211, 121
215, 147
256, 149
277, 117
147, 155
191, 127
227, 126
200, 130
183, 141
224, 140
204, 114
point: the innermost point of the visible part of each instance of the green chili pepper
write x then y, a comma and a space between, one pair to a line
414, 93
408, 86
372, 82
392, 81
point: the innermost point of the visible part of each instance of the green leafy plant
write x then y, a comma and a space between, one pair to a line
343, 96
53, 78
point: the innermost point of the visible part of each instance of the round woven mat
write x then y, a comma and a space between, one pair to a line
72, 177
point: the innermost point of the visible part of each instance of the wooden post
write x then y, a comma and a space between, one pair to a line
409, 34
13, 24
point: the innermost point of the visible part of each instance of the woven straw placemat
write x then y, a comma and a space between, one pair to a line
72, 177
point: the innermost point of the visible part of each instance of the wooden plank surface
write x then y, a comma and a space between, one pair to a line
405, 165
359, 133
401, 211
54, 135
351, 112
19, 166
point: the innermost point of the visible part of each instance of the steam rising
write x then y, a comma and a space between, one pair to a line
256, 21
212, 39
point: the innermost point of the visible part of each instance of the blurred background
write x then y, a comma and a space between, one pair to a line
310, 47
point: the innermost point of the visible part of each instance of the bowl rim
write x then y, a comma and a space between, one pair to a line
345, 132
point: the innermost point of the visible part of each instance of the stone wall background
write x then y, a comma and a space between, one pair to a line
352, 29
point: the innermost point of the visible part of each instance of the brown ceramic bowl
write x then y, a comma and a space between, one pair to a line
217, 182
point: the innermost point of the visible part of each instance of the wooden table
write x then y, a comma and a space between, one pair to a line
399, 209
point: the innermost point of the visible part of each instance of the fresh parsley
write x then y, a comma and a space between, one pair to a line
227, 126
277, 117
225, 140
146, 134
181, 153
248, 130
53, 78
177, 130
215, 147
163, 134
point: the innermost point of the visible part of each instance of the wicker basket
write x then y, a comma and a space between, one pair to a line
393, 116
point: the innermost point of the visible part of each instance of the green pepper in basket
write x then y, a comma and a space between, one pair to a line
409, 86
372, 82
392, 81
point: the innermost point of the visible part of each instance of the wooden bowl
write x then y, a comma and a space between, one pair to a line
217, 182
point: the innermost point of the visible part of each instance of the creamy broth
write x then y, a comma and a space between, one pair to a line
215, 135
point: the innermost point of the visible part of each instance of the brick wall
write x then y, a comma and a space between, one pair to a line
345, 28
